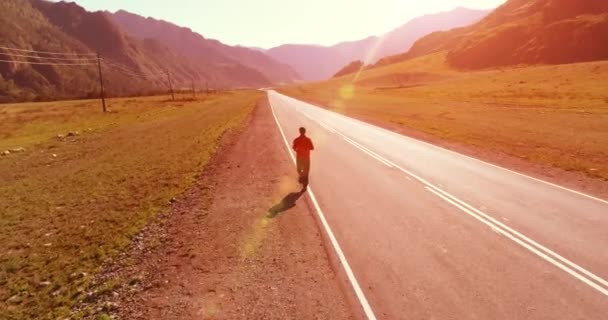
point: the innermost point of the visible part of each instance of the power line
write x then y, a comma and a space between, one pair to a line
127, 71
155, 78
131, 74
77, 59
53, 58
121, 67
110, 64
46, 52
49, 63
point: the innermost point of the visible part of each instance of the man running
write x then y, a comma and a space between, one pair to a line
302, 145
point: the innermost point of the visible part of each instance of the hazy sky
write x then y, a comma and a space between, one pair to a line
267, 23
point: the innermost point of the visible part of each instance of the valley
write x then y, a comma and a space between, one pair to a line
451, 163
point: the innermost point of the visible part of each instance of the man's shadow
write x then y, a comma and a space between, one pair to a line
286, 203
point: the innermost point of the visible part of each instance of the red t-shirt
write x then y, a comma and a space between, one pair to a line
302, 145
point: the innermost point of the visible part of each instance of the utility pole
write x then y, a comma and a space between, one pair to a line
103, 93
207, 84
193, 89
170, 85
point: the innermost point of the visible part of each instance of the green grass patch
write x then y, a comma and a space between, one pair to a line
70, 204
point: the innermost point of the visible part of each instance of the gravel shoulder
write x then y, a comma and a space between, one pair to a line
218, 254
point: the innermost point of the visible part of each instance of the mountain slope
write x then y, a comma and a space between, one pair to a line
99, 32
352, 67
401, 39
190, 44
130, 65
524, 32
19, 81
319, 62
310, 61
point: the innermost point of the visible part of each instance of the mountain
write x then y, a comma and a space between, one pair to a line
524, 32
310, 61
401, 39
18, 81
131, 64
352, 67
315, 62
194, 46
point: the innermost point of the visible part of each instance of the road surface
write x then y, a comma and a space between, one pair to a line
426, 233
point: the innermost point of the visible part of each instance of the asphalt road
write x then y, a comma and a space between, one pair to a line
426, 233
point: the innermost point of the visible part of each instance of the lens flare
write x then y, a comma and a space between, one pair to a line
371, 55
255, 238
346, 92
259, 229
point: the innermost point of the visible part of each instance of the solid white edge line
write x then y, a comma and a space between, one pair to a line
521, 243
459, 154
529, 241
369, 313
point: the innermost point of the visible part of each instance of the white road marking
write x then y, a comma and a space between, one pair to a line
355, 144
368, 152
367, 309
459, 154
528, 240
499, 230
328, 128
352, 142
543, 252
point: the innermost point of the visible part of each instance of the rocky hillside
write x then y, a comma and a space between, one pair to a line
352, 67
131, 64
194, 46
524, 32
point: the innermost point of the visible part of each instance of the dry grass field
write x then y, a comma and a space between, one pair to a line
549, 115
71, 202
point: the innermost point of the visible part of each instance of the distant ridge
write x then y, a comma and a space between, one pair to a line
314, 62
131, 64
524, 32
194, 46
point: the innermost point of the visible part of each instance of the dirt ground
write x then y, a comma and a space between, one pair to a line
224, 256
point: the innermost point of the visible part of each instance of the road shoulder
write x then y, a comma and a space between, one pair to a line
217, 254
